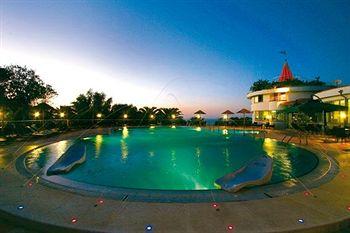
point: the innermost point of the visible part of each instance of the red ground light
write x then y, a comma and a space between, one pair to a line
306, 193
230, 227
100, 201
74, 220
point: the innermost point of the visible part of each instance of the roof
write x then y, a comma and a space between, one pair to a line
228, 112
199, 112
286, 73
244, 111
333, 92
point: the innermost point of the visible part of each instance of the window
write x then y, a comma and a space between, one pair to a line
274, 97
283, 97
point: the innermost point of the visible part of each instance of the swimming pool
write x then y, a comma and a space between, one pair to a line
163, 158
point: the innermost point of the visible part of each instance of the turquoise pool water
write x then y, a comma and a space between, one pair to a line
179, 158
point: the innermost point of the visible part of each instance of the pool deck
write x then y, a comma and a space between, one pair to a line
323, 209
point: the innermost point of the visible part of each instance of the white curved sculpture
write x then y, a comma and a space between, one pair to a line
257, 172
76, 154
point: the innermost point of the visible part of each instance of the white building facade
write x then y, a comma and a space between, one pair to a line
265, 103
337, 96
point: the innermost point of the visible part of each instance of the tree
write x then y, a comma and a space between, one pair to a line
260, 85
149, 114
22, 87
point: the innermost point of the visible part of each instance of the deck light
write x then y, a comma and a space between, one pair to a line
230, 227
36, 114
149, 228
62, 114
125, 116
98, 115
215, 205
20, 207
173, 126
300, 220
100, 201
74, 220
307, 193
198, 129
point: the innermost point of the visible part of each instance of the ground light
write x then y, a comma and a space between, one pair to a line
148, 228
98, 115
230, 227
100, 201
300, 220
20, 207
307, 193
74, 220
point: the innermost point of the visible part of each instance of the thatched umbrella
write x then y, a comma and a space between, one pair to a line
199, 113
244, 111
226, 113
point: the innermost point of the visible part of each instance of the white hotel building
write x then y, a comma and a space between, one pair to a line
265, 103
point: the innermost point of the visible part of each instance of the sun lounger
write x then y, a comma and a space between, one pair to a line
258, 172
76, 154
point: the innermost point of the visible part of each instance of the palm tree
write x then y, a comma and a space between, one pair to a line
149, 114
170, 115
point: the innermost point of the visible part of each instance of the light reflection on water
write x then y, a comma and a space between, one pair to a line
185, 158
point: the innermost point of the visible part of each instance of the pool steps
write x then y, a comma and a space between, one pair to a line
257, 172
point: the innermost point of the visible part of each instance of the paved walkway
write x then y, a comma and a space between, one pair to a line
324, 209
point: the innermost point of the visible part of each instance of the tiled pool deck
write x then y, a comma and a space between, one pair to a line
325, 208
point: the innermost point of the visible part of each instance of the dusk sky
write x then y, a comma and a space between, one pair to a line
187, 54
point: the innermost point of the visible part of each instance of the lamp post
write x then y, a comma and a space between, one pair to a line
173, 117
125, 117
62, 115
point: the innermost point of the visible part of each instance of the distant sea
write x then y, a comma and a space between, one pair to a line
211, 121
